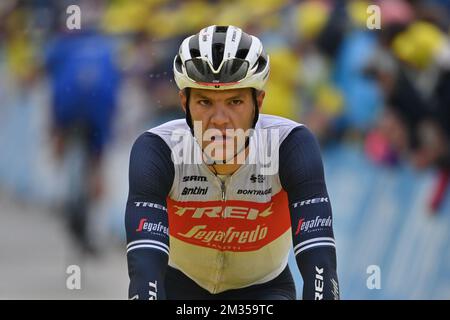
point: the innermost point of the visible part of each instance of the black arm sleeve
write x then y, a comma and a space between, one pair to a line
151, 175
302, 177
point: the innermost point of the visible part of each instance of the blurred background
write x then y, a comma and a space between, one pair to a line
72, 102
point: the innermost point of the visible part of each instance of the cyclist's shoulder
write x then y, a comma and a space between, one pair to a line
150, 156
170, 131
266, 121
161, 134
301, 149
290, 131
167, 128
149, 145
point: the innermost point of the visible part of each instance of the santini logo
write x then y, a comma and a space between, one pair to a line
194, 191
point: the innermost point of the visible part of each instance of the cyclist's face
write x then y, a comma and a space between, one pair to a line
228, 109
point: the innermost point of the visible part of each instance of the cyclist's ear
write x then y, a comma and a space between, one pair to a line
183, 99
260, 98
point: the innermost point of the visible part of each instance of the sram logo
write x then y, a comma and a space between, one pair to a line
225, 212
194, 178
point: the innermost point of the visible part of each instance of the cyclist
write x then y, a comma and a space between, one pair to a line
85, 80
204, 224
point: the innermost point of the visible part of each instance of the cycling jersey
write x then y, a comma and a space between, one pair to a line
233, 232
180, 287
85, 80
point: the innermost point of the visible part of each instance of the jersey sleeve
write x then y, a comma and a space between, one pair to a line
151, 175
302, 177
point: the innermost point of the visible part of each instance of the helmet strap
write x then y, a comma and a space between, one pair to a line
255, 102
187, 92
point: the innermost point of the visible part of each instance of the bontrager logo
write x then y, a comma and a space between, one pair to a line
194, 178
253, 192
227, 236
225, 212
194, 191
313, 224
149, 227
310, 201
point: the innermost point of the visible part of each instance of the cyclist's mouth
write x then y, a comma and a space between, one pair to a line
221, 138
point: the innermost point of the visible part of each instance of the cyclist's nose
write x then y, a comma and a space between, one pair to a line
220, 117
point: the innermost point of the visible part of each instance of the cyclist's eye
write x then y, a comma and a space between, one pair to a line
204, 102
236, 102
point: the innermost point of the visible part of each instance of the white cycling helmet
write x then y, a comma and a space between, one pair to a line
221, 58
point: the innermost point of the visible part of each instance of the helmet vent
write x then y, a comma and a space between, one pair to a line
261, 62
217, 53
222, 29
241, 53
178, 64
195, 53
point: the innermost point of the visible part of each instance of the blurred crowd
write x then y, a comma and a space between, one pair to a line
386, 89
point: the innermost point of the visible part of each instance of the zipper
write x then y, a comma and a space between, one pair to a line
221, 254
223, 188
